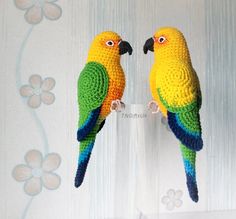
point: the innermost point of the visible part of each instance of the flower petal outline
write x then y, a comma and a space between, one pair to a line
33, 186
34, 101
35, 81
47, 97
48, 84
52, 11
51, 181
51, 162
21, 172
178, 203
171, 193
26, 91
23, 4
165, 200
34, 15
34, 158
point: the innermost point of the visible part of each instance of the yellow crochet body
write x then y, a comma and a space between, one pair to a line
153, 86
111, 62
172, 75
175, 87
177, 82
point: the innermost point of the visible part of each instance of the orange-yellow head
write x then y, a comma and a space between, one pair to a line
108, 47
168, 43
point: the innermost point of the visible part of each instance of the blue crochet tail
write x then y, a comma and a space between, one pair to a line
86, 148
189, 158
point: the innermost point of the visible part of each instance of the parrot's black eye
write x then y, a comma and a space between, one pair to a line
110, 43
161, 39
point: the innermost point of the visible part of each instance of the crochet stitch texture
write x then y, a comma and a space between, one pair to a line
175, 87
101, 81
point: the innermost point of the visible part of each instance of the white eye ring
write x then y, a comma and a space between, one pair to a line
110, 43
161, 39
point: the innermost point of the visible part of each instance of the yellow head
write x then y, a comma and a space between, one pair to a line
168, 43
108, 47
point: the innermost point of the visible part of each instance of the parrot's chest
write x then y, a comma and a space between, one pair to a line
154, 79
115, 88
116, 82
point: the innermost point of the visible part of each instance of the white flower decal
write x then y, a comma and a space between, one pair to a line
38, 172
36, 9
172, 199
38, 91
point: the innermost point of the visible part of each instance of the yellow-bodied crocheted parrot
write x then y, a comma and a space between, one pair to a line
176, 91
100, 87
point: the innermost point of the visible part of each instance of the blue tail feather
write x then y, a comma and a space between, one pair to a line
189, 159
192, 187
84, 157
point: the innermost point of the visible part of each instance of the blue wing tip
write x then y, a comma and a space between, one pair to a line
81, 134
191, 141
88, 125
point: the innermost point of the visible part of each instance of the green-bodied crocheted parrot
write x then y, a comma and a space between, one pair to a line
100, 87
176, 90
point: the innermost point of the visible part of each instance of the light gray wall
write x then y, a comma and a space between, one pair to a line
135, 161
220, 106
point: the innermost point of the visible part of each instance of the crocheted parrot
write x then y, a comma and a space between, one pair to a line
100, 87
176, 92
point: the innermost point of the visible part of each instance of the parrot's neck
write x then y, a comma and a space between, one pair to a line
176, 53
165, 59
104, 60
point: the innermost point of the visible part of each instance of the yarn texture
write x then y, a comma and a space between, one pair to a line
175, 87
111, 61
101, 81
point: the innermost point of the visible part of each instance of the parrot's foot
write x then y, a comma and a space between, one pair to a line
117, 105
153, 107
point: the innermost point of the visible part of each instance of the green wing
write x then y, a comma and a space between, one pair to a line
92, 90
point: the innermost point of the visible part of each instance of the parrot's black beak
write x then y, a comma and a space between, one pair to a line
149, 45
125, 47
